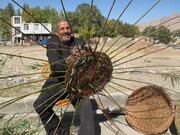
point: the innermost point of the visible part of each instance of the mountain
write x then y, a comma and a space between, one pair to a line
170, 24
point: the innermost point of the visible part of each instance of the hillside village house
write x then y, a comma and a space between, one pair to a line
34, 30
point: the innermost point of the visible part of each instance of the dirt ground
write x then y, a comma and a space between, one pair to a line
156, 64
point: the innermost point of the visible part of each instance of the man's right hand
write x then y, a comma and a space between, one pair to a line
77, 51
70, 59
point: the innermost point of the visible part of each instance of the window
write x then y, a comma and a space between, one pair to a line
17, 20
36, 26
16, 30
26, 27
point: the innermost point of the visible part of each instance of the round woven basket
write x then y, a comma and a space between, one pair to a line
88, 74
177, 117
149, 110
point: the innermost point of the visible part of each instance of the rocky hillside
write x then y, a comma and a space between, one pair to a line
172, 25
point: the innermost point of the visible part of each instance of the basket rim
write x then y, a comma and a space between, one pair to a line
132, 120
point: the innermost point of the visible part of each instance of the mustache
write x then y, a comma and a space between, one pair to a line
66, 34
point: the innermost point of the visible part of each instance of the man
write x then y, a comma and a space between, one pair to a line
59, 48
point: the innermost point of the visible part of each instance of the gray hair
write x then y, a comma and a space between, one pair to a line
61, 20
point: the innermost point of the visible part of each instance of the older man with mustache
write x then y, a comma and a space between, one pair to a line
59, 48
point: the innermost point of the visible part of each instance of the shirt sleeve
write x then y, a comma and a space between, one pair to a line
55, 60
81, 43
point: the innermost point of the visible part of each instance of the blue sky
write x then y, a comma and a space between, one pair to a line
132, 14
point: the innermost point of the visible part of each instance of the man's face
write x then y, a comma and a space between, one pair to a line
64, 31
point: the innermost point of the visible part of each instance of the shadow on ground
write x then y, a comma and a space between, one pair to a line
98, 117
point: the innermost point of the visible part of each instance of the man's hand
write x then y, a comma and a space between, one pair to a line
76, 52
70, 59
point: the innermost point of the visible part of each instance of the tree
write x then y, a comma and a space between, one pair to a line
61, 14
6, 14
46, 15
73, 20
176, 33
129, 30
79, 19
133, 31
84, 33
18, 12
46, 12
150, 31
82, 17
1, 12
109, 30
161, 33
118, 27
9, 10
53, 17
25, 15
164, 34
38, 14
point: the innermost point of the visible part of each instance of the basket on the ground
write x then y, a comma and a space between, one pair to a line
149, 110
88, 74
45, 69
177, 117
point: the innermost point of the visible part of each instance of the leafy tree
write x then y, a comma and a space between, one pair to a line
73, 20
38, 13
164, 34
79, 19
176, 33
129, 30
118, 27
53, 17
46, 13
84, 33
9, 10
161, 33
61, 14
109, 30
1, 12
6, 14
25, 15
150, 31
134, 31
82, 17
173, 40
18, 12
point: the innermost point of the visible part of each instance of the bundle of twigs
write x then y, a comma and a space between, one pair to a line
88, 74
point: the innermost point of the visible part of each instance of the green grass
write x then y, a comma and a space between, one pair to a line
22, 127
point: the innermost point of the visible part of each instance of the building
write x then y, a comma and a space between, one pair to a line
33, 30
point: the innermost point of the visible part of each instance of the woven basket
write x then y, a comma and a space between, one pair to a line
149, 110
177, 117
88, 74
